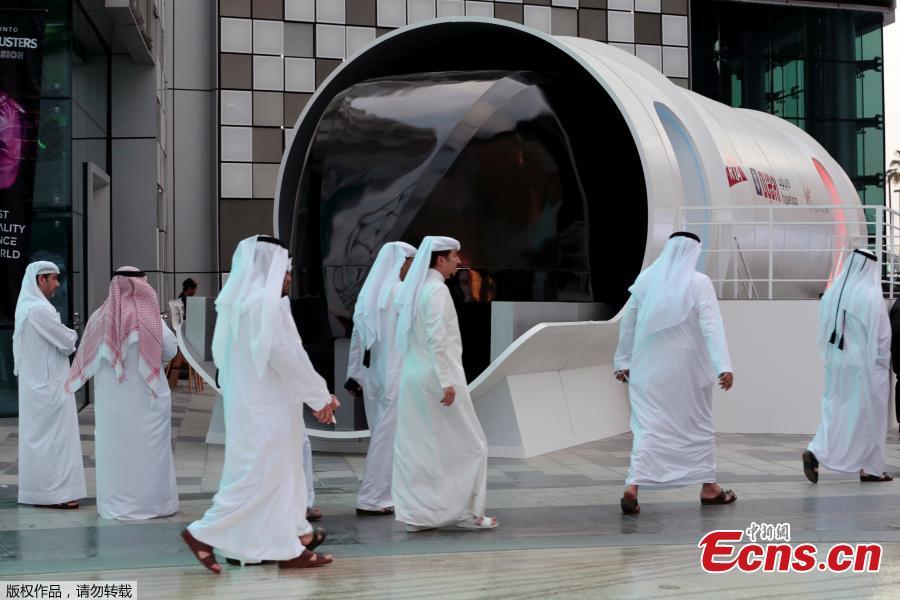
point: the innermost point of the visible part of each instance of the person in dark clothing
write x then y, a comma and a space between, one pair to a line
895, 352
188, 288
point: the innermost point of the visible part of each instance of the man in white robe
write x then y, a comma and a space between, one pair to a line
259, 512
313, 514
374, 365
124, 346
671, 351
440, 452
51, 468
855, 342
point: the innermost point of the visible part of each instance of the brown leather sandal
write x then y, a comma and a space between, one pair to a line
197, 547
306, 560
724, 497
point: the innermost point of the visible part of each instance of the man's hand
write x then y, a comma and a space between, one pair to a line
326, 415
622, 375
449, 396
726, 380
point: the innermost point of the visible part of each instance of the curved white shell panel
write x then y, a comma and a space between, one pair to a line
694, 152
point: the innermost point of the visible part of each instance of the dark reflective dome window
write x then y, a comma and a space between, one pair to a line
521, 156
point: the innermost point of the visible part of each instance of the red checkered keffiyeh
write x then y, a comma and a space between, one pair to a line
130, 314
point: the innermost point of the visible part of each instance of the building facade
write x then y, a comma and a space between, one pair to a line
125, 162
163, 122
818, 65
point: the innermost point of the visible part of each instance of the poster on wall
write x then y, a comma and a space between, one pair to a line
21, 60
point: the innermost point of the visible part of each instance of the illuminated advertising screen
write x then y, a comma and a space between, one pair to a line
21, 57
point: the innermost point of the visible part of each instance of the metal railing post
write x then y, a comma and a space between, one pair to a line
737, 268
879, 242
771, 257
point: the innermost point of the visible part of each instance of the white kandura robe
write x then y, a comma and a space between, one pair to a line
51, 467
672, 374
440, 452
308, 473
259, 512
380, 382
135, 468
851, 434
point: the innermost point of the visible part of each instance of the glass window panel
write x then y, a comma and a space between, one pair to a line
53, 171
873, 151
818, 68
9, 391
51, 239
56, 73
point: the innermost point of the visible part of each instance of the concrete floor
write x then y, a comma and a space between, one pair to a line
562, 534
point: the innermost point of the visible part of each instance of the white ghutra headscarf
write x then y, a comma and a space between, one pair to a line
663, 290
30, 297
408, 297
375, 292
252, 294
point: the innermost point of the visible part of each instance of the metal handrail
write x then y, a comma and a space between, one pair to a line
882, 236
751, 287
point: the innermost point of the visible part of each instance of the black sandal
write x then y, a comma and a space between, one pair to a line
311, 516
630, 506
70, 505
238, 563
865, 477
810, 466
384, 512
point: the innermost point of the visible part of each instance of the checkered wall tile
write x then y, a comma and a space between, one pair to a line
274, 53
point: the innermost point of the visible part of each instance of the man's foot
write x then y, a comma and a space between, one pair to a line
306, 560
418, 528
313, 514
384, 512
810, 466
629, 502
313, 540
203, 552
712, 494
865, 477
478, 523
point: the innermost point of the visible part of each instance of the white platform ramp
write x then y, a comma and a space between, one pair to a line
191, 343
552, 389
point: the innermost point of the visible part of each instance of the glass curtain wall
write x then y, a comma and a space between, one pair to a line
818, 68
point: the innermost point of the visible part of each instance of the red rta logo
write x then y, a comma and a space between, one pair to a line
735, 175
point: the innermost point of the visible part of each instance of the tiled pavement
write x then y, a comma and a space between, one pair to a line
566, 499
